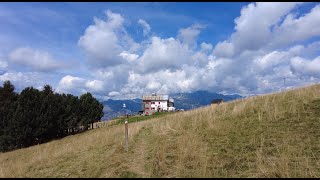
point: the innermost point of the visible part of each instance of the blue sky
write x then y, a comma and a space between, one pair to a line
123, 50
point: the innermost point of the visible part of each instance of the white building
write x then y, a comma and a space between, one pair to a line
156, 103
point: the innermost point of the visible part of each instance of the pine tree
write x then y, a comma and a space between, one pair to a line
8, 104
72, 112
26, 127
92, 109
48, 116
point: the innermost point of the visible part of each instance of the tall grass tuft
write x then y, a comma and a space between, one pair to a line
273, 135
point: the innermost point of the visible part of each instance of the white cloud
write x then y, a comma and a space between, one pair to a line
22, 80
71, 84
104, 41
254, 27
297, 29
309, 51
77, 85
206, 46
271, 59
258, 55
162, 81
164, 53
95, 86
114, 20
306, 67
224, 49
114, 77
101, 43
146, 27
189, 35
153, 85
34, 59
200, 59
129, 56
114, 93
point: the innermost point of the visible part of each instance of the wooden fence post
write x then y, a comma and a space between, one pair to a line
126, 135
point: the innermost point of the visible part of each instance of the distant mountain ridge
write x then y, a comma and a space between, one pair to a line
197, 99
114, 108
186, 101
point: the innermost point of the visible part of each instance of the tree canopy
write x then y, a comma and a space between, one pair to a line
35, 116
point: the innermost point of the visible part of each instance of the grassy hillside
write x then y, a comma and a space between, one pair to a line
274, 135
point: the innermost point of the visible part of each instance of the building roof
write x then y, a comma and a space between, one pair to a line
155, 97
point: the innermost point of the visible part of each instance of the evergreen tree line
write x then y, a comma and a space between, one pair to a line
34, 116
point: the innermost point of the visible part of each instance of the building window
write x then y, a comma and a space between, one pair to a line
147, 108
159, 102
152, 102
152, 108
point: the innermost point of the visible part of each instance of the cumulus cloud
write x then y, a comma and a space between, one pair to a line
113, 93
71, 84
294, 29
271, 59
101, 43
95, 86
22, 80
268, 45
263, 47
168, 81
129, 56
307, 51
306, 67
254, 27
163, 54
206, 46
77, 85
224, 49
189, 35
105, 40
146, 27
35, 59
200, 59
114, 77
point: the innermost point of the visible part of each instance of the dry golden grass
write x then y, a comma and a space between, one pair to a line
274, 135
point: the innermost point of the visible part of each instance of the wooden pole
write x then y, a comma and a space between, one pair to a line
126, 135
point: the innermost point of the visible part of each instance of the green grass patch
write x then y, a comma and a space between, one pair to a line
132, 119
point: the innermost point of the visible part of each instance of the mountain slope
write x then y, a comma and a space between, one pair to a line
114, 108
274, 135
199, 98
